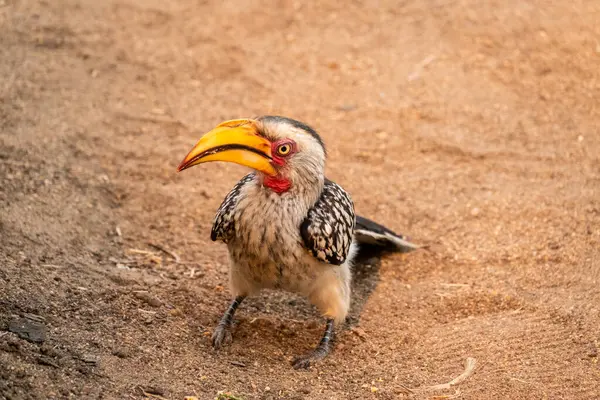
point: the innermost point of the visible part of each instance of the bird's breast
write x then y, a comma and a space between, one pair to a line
267, 246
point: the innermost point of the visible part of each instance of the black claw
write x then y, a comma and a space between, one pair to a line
221, 336
305, 361
301, 362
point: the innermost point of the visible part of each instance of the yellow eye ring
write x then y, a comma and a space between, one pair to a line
284, 149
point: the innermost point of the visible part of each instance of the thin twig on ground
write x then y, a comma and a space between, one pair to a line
138, 251
406, 388
470, 364
455, 285
154, 396
519, 380
166, 251
420, 66
52, 266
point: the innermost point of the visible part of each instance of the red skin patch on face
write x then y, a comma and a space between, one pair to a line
279, 183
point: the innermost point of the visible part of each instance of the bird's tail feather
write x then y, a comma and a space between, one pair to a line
371, 234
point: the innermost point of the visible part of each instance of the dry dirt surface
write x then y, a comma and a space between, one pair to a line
472, 126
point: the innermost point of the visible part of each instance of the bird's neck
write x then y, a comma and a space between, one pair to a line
306, 189
278, 184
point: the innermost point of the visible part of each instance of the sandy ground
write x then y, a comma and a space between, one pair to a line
471, 126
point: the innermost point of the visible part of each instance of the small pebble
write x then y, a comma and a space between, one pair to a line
121, 353
148, 298
176, 312
593, 352
360, 333
305, 390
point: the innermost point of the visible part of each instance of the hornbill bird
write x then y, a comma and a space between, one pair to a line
285, 224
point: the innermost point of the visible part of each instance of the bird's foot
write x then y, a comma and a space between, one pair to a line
319, 352
306, 360
222, 336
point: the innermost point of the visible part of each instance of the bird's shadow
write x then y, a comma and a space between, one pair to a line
365, 277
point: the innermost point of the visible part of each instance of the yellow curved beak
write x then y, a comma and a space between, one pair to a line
235, 141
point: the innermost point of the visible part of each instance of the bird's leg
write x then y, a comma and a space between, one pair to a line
222, 334
319, 352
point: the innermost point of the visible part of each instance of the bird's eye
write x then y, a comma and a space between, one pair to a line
284, 149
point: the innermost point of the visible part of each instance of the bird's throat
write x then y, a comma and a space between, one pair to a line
278, 184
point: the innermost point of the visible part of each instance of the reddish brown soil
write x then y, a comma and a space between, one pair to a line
472, 126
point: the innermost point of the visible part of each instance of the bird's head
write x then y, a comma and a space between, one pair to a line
285, 152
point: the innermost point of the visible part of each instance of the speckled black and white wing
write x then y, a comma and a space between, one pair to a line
223, 225
328, 229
